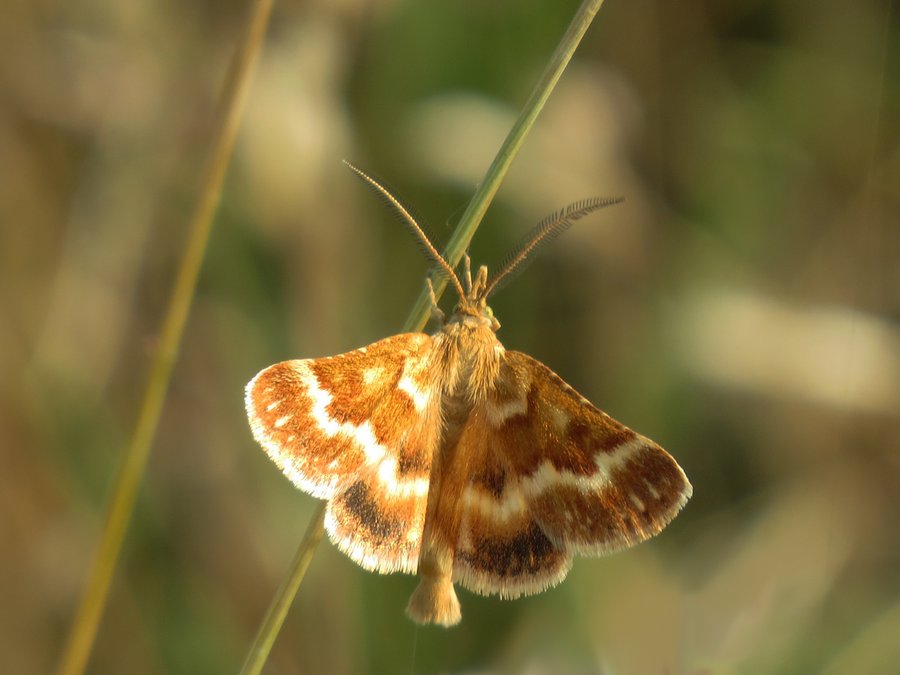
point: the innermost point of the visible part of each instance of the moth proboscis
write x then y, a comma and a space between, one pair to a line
450, 457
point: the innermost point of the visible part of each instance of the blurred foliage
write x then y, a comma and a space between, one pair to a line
740, 307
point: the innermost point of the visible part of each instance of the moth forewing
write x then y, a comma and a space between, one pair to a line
450, 457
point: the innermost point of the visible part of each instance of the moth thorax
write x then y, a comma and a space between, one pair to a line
474, 355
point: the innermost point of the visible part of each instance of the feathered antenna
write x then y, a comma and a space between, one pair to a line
414, 227
549, 228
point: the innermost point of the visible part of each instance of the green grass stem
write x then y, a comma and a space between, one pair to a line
119, 509
284, 597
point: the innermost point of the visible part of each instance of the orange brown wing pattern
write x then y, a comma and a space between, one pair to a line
356, 429
554, 477
594, 485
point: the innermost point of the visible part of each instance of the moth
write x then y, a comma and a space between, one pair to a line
450, 457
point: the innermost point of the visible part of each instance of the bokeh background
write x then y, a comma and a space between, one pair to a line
741, 307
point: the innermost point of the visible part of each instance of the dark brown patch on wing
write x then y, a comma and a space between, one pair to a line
490, 478
522, 553
507, 558
413, 462
376, 521
379, 530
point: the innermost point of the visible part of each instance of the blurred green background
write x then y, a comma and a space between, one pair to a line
741, 308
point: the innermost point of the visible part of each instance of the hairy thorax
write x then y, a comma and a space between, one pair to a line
470, 356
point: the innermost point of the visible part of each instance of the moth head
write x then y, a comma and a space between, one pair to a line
472, 307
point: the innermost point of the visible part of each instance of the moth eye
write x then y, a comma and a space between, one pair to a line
489, 314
